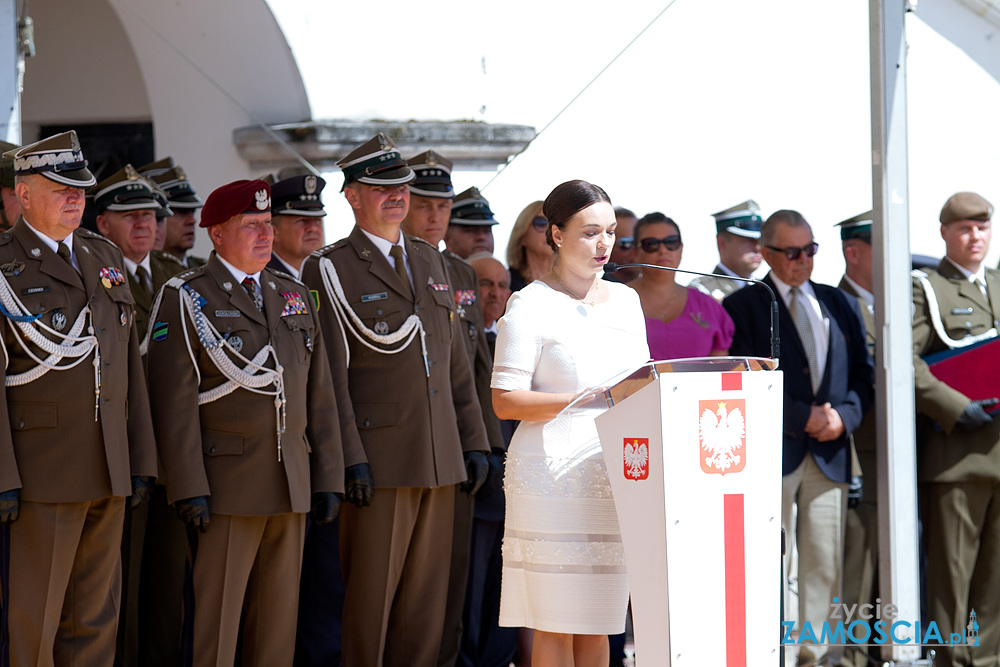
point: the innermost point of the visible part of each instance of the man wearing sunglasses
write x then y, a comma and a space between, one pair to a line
828, 388
738, 231
958, 441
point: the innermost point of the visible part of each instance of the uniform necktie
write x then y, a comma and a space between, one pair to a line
63, 251
804, 329
397, 255
250, 285
142, 276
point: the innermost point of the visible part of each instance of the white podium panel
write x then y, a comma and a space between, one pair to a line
694, 460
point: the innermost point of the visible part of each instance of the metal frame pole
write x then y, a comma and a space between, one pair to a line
10, 67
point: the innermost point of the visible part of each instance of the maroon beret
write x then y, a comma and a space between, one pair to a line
236, 198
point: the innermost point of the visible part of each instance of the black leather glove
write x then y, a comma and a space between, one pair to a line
194, 512
142, 490
496, 460
325, 505
975, 414
10, 505
359, 485
477, 468
855, 491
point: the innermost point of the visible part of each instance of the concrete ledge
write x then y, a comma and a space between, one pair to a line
471, 145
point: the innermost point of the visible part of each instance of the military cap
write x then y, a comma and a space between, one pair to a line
376, 162
124, 190
235, 198
6, 166
966, 206
58, 158
268, 178
298, 195
164, 211
175, 185
433, 176
472, 210
156, 167
858, 227
743, 220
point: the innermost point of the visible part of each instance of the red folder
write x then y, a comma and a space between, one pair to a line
972, 370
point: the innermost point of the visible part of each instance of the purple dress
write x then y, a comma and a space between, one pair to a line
702, 328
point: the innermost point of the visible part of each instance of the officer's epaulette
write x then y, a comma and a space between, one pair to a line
452, 257
286, 276
417, 239
168, 257
327, 248
87, 234
184, 276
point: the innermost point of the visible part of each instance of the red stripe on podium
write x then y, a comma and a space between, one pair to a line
732, 381
736, 605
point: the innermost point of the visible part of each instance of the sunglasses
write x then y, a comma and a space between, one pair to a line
626, 243
793, 253
652, 245
540, 224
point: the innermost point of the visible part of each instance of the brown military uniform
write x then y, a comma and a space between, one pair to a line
415, 421
959, 471
74, 470
227, 449
717, 288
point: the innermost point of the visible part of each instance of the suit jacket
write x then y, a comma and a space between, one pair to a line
717, 288
414, 421
848, 378
945, 454
55, 449
227, 449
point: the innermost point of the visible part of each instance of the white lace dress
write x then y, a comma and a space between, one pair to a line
563, 562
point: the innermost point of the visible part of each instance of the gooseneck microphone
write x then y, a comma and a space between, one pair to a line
611, 267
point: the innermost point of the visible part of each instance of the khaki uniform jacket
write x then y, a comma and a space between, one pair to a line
227, 449
413, 428
865, 437
54, 449
717, 288
164, 266
465, 284
947, 454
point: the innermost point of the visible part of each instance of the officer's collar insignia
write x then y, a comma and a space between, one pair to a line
36, 253
228, 286
366, 253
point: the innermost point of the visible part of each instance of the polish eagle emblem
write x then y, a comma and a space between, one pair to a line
262, 200
636, 458
722, 433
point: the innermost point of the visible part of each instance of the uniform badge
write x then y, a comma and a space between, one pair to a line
36, 253
111, 277
85, 249
12, 268
58, 320
366, 253
122, 317
227, 313
439, 287
34, 290
381, 327
160, 331
472, 331
315, 297
465, 297
261, 199
235, 342
294, 304
310, 184
228, 286
365, 298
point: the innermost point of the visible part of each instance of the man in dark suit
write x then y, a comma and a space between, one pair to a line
78, 442
297, 216
415, 408
828, 387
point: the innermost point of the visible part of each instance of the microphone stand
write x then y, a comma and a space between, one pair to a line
611, 267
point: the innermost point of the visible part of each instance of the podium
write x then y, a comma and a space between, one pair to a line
693, 452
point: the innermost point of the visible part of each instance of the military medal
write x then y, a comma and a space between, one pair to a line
294, 304
111, 277
235, 342
58, 320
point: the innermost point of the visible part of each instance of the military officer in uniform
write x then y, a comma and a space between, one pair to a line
414, 403
184, 203
80, 439
860, 540
737, 237
9, 207
431, 194
470, 229
958, 442
247, 428
297, 217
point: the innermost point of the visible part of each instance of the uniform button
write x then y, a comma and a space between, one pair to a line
367, 423
430, 362
211, 450
968, 325
416, 307
378, 311
20, 424
433, 392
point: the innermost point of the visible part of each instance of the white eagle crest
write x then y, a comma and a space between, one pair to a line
721, 437
263, 201
636, 457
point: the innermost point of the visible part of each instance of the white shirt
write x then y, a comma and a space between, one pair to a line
820, 324
729, 272
978, 278
53, 245
384, 246
864, 294
240, 276
132, 266
293, 272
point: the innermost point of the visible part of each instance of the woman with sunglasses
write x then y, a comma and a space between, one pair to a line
563, 562
528, 253
681, 322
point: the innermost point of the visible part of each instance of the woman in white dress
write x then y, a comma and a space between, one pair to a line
563, 563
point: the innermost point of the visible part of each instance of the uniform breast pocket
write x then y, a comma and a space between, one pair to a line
124, 306
962, 324
44, 301
303, 335
382, 317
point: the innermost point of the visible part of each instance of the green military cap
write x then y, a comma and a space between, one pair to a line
376, 162
124, 190
433, 176
472, 210
175, 185
164, 211
743, 220
858, 227
58, 158
157, 167
966, 206
6, 166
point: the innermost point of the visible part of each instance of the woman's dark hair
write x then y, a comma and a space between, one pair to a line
652, 219
568, 199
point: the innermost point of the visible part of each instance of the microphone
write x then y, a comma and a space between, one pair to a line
611, 267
